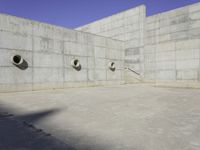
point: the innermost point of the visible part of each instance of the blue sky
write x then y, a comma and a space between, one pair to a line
74, 13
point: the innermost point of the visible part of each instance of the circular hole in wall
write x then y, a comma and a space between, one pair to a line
19, 62
17, 59
76, 64
112, 66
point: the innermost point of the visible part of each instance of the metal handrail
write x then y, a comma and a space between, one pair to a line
133, 71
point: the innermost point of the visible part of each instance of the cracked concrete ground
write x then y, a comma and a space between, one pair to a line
127, 117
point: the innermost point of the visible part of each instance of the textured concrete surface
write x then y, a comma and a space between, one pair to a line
48, 51
131, 117
129, 27
164, 48
172, 47
16, 135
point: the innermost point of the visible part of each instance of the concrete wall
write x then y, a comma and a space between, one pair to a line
127, 26
164, 48
48, 51
172, 47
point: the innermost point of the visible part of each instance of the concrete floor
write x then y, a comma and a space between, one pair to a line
17, 135
128, 117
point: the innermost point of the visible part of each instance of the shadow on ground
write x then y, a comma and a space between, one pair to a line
17, 134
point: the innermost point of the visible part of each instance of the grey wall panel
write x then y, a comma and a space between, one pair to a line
127, 26
48, 51
172, 43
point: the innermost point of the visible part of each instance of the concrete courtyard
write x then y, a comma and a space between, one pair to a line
126, 117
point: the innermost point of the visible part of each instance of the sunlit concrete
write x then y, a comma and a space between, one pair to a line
129, 117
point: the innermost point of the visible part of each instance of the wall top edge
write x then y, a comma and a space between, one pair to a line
173, 10
142, 6
56, 26
121, 12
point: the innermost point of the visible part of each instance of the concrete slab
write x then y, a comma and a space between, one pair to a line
29, 138
128, 117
